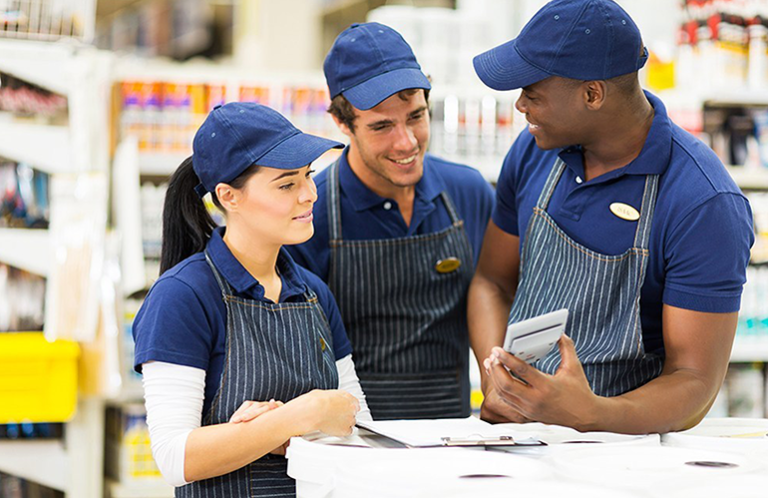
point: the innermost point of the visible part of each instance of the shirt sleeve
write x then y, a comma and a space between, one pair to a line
505, 211
172, 326
706, 256
174, 400
349, 382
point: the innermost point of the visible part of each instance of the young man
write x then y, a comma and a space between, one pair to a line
607, 208
397, 231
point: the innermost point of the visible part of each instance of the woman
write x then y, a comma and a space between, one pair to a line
239, 347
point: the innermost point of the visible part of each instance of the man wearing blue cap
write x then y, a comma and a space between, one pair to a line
607, 208
398, 231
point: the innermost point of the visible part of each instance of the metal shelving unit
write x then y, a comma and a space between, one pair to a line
79, 146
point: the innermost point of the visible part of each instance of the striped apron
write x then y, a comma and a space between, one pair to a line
601, 292
407, 322
274, 350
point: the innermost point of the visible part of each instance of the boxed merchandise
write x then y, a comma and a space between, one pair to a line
128, 455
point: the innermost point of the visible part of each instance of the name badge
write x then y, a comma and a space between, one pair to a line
447, 265
625, 211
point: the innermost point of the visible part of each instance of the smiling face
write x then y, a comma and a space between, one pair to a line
388, 143
555, 111
274, 205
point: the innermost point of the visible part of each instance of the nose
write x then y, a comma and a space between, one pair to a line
308, 192
405, 139
521, 105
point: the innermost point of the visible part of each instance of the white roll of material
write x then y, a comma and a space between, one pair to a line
746, 436
506, 488
644, 468
419, 472
742, 486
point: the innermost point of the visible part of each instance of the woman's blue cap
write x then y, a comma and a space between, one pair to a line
237, 135
369, 63
577, 39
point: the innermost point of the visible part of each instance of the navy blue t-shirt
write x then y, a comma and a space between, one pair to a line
183, 319
701, 232
368, 216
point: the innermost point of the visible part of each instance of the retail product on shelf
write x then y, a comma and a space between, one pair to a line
46, 19
28, 430
746, 390
78, 228
22, 300
39, 379
24, 99
164, 115
23, 196
16, 487
128, 457
722, 44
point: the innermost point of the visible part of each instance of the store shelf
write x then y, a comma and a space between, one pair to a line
44, 462
47, 65
43, 147
750, 178
750, 349
120, 490
744, 97
27, 249
160, 163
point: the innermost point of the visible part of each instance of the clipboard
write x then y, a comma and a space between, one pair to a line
473, 440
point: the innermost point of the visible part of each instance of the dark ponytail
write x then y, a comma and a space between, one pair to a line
187, 226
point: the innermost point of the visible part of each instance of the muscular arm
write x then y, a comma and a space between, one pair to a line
492, 291
698, 347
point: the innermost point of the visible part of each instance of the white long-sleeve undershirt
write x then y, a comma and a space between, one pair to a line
174, 396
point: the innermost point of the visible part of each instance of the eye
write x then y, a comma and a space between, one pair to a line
287, 186
310, 173
418, 116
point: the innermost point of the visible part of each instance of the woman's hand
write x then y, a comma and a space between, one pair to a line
249, 410
333, 411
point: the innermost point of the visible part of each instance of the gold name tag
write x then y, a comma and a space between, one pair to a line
625, 211
447, 265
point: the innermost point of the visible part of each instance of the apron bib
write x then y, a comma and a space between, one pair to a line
406, 320
601, 293
274, 350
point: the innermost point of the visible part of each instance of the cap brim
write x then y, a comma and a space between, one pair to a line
503, 68
374, 91
297, 151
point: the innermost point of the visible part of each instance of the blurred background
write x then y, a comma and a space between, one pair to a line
99, 101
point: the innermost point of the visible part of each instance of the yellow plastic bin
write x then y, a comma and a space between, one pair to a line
38, 379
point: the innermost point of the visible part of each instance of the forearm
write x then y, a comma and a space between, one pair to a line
672, 402
488, 308
219, 449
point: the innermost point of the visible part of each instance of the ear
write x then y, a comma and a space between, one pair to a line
343, 127
595, 93
229, 197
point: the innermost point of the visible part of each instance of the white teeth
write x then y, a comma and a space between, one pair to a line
405, 161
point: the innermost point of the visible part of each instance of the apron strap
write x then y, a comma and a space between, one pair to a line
226, 290
647, 208
450, 207
549, 186
334, 202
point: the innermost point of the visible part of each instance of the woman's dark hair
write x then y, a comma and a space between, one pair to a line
187, 225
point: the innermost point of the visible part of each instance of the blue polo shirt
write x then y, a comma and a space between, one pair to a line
701, 232
368, 216
183, 319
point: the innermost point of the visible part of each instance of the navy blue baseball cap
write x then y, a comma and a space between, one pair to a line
237, 135
576, 39
370, 62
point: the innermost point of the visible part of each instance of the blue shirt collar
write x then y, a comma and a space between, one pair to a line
653, 158
242, 282
361, 197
